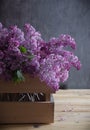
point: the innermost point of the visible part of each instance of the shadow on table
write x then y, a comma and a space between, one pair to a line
20, 126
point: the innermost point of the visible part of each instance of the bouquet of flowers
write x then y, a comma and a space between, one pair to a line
25, 52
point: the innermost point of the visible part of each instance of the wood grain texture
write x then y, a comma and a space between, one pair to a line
72, 111
29, 85
26, 112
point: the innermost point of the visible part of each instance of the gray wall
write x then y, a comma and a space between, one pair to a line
51, 18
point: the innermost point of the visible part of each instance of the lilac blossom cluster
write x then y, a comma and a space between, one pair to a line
56, 61
26, 52
17, 49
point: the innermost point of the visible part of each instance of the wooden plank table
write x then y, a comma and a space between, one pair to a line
72, 112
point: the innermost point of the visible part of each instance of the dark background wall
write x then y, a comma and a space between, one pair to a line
52, 18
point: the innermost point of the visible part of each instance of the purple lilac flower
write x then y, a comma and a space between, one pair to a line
52, 70
26, 52
1, 54
16, 34
56, 61
33, 39
2, 67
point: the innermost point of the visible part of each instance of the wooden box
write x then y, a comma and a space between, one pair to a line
27, 112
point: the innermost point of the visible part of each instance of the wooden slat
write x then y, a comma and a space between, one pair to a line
47, 96
26, 112
29, 85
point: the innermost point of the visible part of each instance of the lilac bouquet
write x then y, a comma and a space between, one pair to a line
25, 52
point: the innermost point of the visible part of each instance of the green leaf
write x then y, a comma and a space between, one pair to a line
23, 49
18, 76
31, 56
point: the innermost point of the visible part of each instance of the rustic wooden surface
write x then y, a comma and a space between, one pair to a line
72, 112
